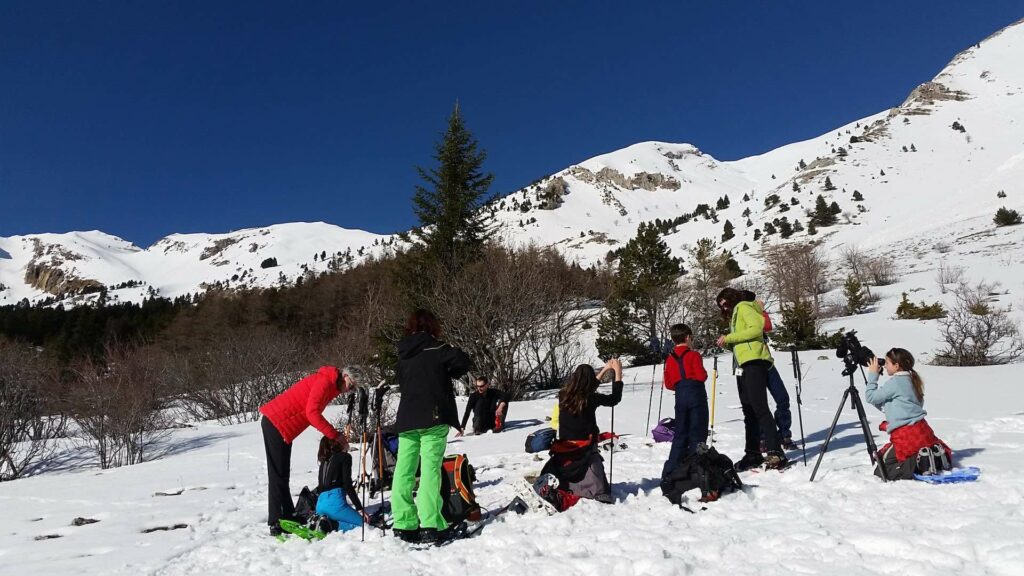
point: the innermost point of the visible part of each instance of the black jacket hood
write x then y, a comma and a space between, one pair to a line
413, 344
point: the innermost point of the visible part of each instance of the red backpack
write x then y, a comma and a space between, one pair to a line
458, 502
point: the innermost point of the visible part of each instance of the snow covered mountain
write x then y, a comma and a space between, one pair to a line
924, 174
77, 265
942, 159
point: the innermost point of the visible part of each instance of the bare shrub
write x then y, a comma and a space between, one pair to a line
237, 372
947, 275
512, 311
881, 272
975, 332
119, 405
797, 273
29, 412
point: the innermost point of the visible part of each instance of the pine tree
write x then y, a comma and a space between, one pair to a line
710, 269
769, 229
647, 273
857, 196
785, 228
796, 187
823, 215
811, 228
615, 331
797, 226
854, 293
452, 228
757, 234
1006, 217
727, 233
828, 184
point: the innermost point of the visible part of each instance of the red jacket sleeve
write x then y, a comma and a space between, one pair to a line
666, 378
694, 366
321, 393
767, 321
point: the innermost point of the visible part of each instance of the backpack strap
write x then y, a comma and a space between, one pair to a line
679, 363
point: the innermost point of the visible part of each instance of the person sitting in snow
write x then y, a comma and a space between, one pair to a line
334, 483
575, 459
901, 399
488, 406
287, 416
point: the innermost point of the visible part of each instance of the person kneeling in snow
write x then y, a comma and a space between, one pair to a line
575, 460
335, 482
902, 401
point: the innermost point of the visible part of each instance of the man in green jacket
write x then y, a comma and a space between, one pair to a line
754, 360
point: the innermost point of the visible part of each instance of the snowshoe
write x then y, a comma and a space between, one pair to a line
294, 528
776, 461
748, 462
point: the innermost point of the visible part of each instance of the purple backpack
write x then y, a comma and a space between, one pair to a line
664, 431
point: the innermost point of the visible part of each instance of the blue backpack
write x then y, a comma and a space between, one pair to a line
541, 440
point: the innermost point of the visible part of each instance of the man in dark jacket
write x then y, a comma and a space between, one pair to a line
488, 406
426, 367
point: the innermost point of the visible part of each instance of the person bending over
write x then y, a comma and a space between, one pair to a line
287, 416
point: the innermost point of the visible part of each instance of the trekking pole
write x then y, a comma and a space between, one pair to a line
364, 399
714, 395
378, 402
798, 374
611, 463
650, 400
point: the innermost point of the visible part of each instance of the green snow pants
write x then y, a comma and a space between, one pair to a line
423, 449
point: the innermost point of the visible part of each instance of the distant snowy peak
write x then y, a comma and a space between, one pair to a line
952, 151
82, 266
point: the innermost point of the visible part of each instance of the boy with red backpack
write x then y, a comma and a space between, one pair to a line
685, 374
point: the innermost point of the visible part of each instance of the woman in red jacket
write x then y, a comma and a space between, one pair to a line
287, 416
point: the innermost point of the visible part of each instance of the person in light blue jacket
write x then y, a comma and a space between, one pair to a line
901, 399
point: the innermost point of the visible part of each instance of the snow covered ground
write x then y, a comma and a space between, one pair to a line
846, 522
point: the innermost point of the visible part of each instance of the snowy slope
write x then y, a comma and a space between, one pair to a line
949, 183
178, 264
846, 522
963, 132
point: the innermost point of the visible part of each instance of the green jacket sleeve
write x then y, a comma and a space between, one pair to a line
751, 323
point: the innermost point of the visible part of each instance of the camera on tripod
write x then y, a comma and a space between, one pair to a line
854, 353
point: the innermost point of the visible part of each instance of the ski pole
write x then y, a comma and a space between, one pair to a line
364, 399
714, 395
650, 400
378, 404
798, 374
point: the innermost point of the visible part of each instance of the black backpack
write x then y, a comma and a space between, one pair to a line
458, 502
711, 472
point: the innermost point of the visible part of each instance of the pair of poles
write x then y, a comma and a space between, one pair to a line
797, 374
378, 402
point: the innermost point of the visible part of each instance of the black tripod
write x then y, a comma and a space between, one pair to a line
855, 402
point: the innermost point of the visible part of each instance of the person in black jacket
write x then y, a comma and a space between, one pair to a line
426, 412
575, 459
488, 406
335, 483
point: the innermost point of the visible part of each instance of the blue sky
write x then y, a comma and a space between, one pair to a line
146, 118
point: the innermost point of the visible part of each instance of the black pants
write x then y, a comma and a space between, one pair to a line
757, 416
279, 458
486, 422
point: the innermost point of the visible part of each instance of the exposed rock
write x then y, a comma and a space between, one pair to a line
550, 197
641, 180
925, 96
83, 521
217, 247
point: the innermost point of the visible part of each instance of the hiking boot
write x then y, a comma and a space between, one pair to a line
411, 536
788, 444
435, 536
275, 530
749, 461
775, 461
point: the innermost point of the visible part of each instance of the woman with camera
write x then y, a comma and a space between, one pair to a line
901, 399
754, 360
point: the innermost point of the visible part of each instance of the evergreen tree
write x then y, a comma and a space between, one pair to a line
797, 226
728, 234
857, 196
823, 215
710, 270
616, 334
828, 184
811, 228
785, 228
452, 228
769, 229
1006, 217
796, 187
757, 234
854, 293
647, 273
